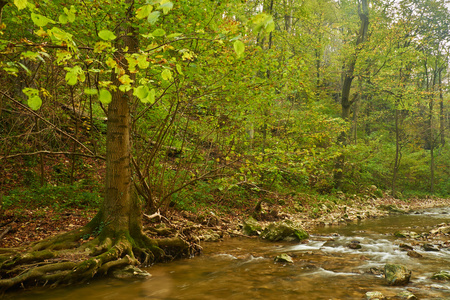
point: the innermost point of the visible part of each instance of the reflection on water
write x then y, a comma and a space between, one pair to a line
325, 268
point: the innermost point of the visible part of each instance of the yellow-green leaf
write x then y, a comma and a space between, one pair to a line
166, 6
143, 63
166, 74
159, 32
141, 92
41, 20
143, 11
104, 96
125, 79
107, 35
90, 91
239, 47
34, 102
21, 4
153, 17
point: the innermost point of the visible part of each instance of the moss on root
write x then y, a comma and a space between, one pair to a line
65, 260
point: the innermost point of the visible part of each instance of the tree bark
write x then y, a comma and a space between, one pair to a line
346, 102
118, 202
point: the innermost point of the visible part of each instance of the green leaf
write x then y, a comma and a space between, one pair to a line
21, 4
143, 62
143, 11
166, 6
172, 35
90, 91
74, 74
151, 97
153, 17
63, 19
71, 78
30, 92
104, 96
125, 87
107, 35
141, 92
70, 13
179, 69
34, 102
166, 74
239, 48
41, 20
158, 32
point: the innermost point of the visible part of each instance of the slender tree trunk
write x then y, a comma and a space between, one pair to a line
269, 9
397, 151
346, 102
441, 111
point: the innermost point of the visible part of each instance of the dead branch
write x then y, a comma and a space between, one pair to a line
48, 122
52, 153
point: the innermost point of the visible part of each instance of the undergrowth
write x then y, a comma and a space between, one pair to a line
59, 197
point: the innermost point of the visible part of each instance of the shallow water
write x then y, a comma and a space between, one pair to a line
324, 268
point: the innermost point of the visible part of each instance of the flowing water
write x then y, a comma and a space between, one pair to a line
324, 267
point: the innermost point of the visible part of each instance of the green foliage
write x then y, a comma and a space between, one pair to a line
266, 121
58, 197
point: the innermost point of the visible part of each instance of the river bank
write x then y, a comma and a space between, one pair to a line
21, 227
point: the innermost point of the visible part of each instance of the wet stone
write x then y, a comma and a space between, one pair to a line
284, 231
405, 247
396, 274
130, 272
429, 247
442, 275
414, 254
284, 258
375, 296
354, 245
406, 295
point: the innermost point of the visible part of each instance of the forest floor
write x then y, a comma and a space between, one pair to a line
21, 227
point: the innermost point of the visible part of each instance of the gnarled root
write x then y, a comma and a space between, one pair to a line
56, 261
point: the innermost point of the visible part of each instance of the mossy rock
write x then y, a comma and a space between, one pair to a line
442, 275
284, 231
396, 274
251, 227
392, 209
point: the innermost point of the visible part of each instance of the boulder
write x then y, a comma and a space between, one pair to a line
441, 275
284, 258
251, 227
396, 274
285, 230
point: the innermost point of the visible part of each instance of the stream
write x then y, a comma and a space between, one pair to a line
324, 267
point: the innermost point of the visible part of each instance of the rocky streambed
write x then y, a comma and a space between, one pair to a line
352, 261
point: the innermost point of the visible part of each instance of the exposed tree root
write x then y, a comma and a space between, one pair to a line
67, 259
